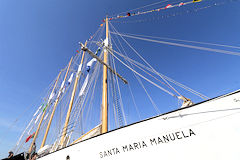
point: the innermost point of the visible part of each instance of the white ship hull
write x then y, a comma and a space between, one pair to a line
208, 130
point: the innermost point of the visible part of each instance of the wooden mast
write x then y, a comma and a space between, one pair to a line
54, 108
71, 101
39, 125
104, 89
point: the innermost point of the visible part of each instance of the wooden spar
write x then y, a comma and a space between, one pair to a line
44, 112
101, 61
104, 89
54, 108
71, 101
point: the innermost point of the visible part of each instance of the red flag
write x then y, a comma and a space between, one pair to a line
168, 6
181, 4
29, 137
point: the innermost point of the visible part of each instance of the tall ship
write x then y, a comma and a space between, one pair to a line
83, 116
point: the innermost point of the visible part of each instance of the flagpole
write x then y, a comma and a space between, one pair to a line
44, 112
71, 101
104, 89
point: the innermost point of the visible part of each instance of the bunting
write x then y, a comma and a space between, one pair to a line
153, 10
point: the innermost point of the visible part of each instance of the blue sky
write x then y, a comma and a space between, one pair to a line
38, 38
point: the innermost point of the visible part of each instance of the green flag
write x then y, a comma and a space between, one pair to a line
45, 108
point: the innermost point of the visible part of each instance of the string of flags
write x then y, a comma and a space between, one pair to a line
92, 36
150, 11
171, 14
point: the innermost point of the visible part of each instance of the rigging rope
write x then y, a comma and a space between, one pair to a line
145, 90
84, 99
134, 102
76, 114
180, 40
119, 121
119, 91
170, 93
114, 96
139, 80
181, 45
161, 75
87, 98
137, 64
148, 63
121, 103
114, 104
17, 147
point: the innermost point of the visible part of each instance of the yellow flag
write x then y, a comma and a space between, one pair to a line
196, 1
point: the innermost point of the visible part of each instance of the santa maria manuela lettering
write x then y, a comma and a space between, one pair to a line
172, 137
142, 144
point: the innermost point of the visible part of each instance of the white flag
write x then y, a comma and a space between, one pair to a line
89, 64
37, 118
71, 78
45, 117
84, 86
37, 110
51, 96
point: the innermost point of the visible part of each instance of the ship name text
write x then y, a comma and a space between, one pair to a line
147, 143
